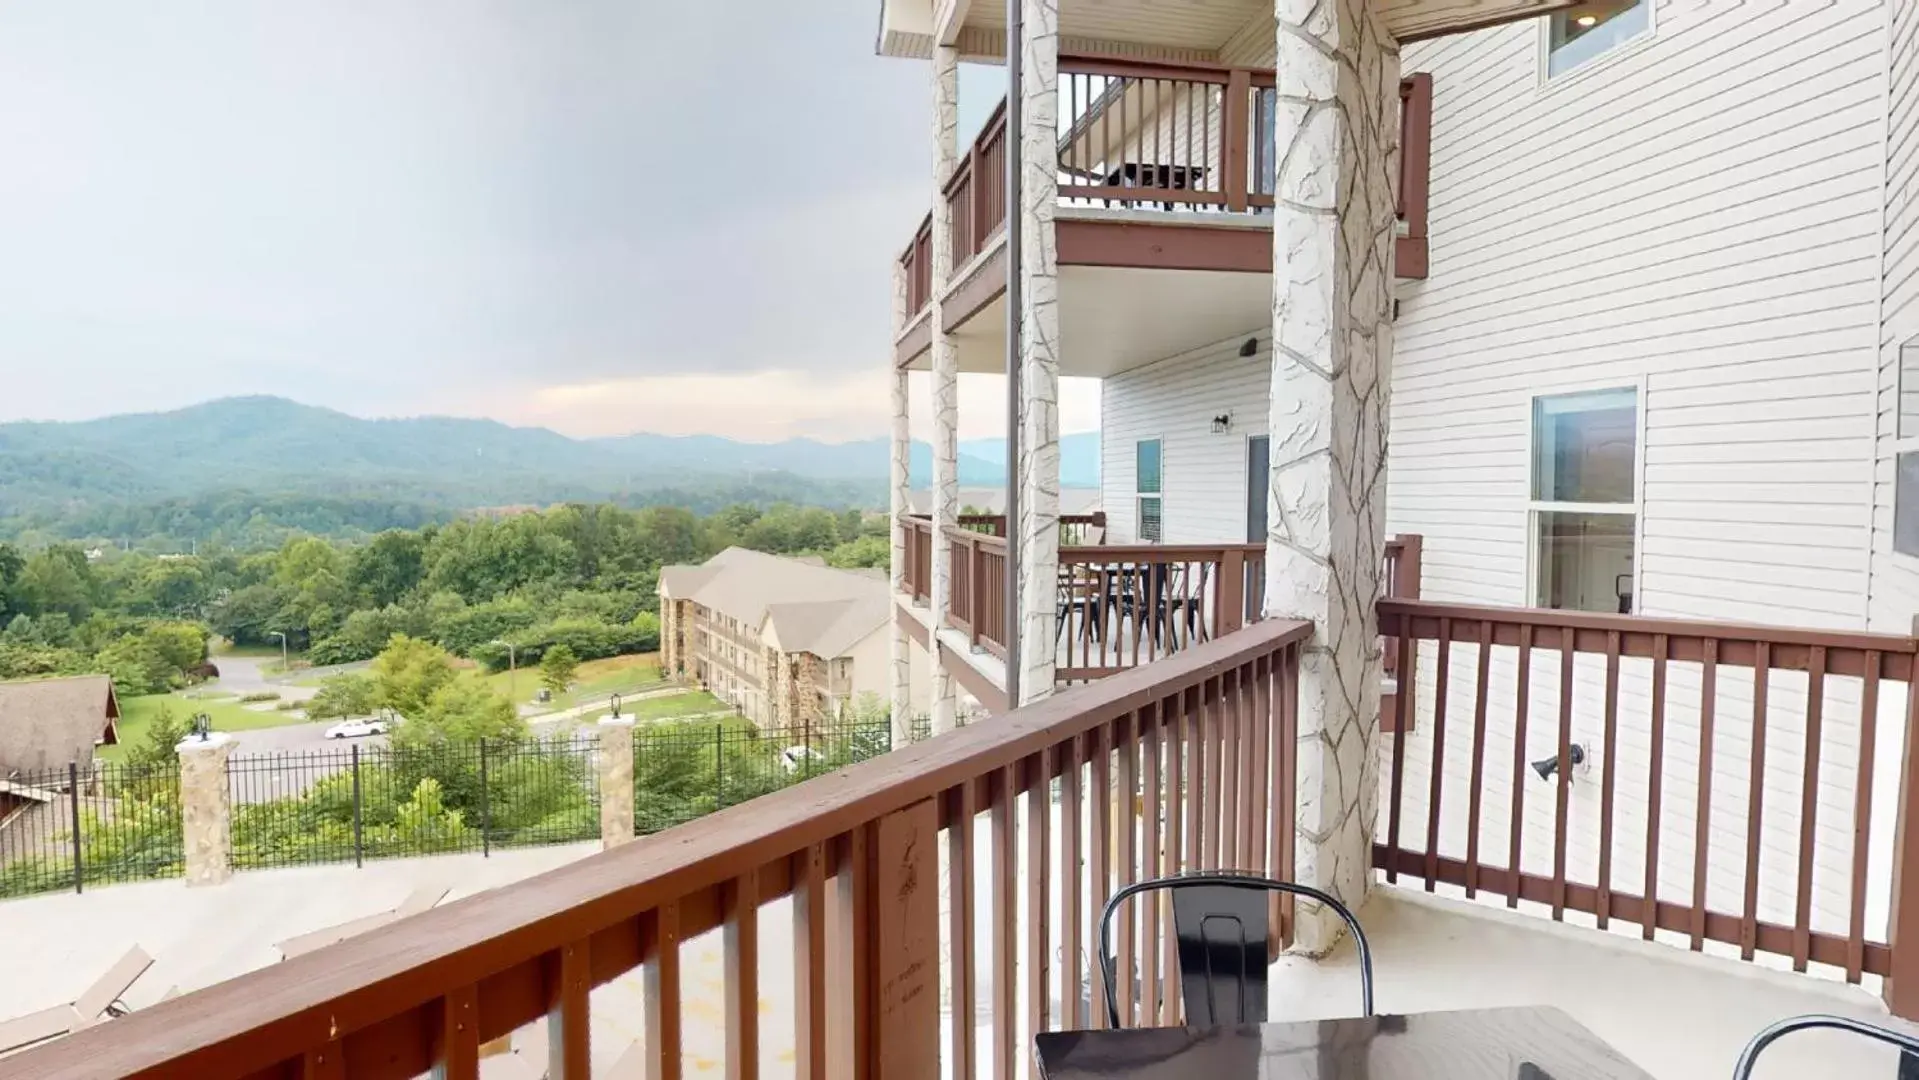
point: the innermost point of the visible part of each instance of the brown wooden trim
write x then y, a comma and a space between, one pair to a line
985, 284
972, 680
915, 343
1164, 247
913, 627
1415, 173
1115, 68
1772, 938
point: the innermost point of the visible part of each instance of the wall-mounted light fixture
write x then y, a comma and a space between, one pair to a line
1222, 423
1250, 348
1546, 767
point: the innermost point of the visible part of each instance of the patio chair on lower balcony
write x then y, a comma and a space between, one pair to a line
1221, 925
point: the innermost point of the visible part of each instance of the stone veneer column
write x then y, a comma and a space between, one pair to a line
900, 680
205, 814
616, 780
945, 370
1038, 528
1337, 134
669, 637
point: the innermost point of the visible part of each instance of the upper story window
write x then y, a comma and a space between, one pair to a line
1585, 504
1148, 499
1586, 30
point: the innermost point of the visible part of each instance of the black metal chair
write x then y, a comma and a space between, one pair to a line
1221, 925
1905, 1042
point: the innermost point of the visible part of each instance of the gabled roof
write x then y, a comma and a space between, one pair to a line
45, 723
807, 606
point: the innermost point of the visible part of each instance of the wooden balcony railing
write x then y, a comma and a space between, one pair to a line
919, 557
1156, 771
1123, 606
977, 588
918, 264
1666, 745
1399, 580
1074, 529
1144, 135
976, 192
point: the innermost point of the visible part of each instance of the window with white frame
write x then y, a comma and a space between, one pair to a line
1148, 499
1905, 455
1585, 502
1587, 30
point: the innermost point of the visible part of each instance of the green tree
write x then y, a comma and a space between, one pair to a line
55, 580
646, 631
557, 667
160, 745
388, 567
408, 673
182, 645
462, 711
343, 696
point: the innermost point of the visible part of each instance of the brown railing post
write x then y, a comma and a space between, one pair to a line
1901, 988
1229, 609
974, 576
1233, 135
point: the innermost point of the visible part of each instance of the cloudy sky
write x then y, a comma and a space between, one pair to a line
594, 215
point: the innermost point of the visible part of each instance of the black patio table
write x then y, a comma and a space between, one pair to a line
1526, 1043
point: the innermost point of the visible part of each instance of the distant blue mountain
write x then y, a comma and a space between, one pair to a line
1078, 457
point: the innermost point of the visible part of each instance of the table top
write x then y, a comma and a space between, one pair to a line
1531, 1043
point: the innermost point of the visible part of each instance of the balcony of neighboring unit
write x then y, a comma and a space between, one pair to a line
1163, 226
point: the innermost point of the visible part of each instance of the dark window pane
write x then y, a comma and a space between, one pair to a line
1146, 463
1905, 505
1149, 523
1588, 29
1585, 561
1584, 447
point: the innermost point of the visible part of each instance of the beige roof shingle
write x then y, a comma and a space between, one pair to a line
812, 608
45, 723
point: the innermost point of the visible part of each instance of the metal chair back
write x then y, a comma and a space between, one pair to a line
1908, 1043
1220, 923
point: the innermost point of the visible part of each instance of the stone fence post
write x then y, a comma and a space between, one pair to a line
205, 814
616, 780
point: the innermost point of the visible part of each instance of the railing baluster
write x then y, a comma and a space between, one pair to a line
1039, 824
1862, 818
1069, 871
327, 1062
1207, 806
960, 958
1100, 845
741, 942
1231, 750
1702, 823
809, 964
1252, 759
1655, 786
1402, 724
1482, 688
456, 1038
1562, 808
1151, 860
1439, 750
1809, 806
1126, 742
1522, 705
1755, 798
661, 979
569, 1024
1005, 873
1608, 777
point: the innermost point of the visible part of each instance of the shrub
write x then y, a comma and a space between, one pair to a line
256, 698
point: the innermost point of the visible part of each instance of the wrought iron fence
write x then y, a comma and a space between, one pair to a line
687, 770
357, 803
93, 824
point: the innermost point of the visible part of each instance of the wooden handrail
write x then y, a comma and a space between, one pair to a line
425, 991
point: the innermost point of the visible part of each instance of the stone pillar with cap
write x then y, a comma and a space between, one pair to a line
616, 780
206, 815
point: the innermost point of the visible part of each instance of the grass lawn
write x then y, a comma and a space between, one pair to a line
691, 703
593, 679
136, 715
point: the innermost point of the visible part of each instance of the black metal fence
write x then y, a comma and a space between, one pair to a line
356, 803
92, 824
110, 821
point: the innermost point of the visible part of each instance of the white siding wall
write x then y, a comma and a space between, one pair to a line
1204, 474
1895, 578
1697, 216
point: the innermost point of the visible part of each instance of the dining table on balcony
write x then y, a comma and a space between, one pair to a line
1514, 1043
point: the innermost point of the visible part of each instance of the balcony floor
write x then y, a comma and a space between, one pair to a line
1678, 1015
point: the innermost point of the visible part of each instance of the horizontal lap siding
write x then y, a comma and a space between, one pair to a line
1697, 216
1175, 400
1895, 577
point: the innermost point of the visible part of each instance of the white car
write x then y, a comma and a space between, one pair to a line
356, 729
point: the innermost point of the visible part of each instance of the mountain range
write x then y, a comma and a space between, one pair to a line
267, 446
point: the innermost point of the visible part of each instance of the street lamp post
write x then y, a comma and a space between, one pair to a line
283, 650
512, 671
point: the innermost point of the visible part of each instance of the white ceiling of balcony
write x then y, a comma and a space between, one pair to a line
1225, 30
1114, 319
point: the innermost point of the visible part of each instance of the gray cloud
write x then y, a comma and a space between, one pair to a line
410, 205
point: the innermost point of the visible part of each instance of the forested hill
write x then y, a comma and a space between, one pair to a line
250, 470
